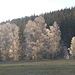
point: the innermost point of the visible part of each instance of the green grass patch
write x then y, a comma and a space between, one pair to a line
49, 67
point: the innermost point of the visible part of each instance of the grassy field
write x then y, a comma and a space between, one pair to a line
48, 67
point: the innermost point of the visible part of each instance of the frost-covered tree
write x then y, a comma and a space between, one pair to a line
72, 48
41, 42
9, 43
52, 40
33, 37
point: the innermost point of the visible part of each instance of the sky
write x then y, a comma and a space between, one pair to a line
11, 9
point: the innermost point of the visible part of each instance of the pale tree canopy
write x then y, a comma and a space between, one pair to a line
39, 39
9, 43
72, 48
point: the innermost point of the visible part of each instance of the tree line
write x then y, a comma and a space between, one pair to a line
45, 37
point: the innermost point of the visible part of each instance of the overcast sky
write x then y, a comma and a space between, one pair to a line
10, 9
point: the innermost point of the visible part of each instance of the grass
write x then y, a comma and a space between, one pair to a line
49, 67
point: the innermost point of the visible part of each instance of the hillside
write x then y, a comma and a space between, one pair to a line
64, 17
46, 37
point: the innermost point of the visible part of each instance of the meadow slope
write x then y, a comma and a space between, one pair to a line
47, 67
